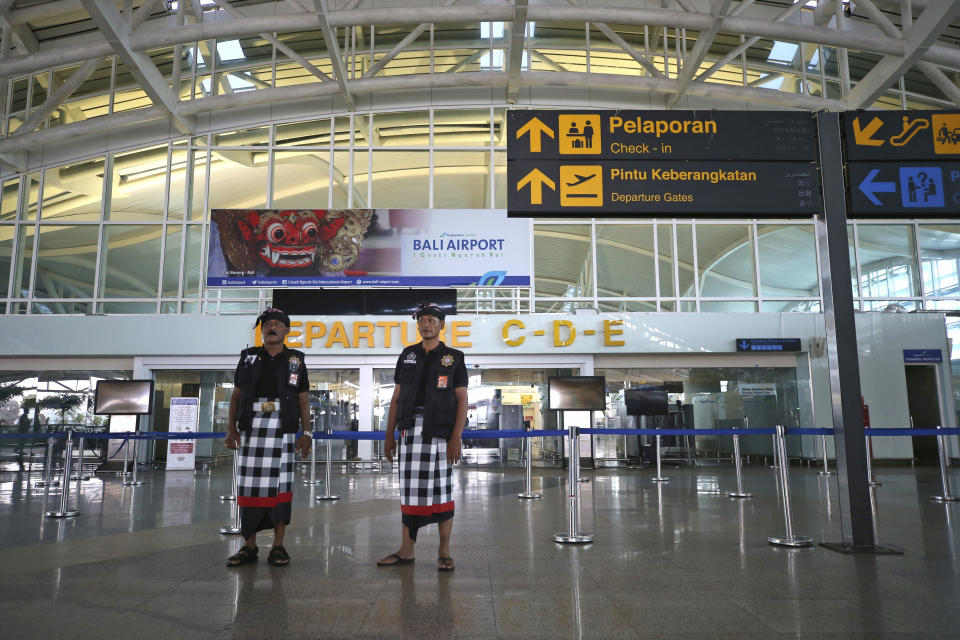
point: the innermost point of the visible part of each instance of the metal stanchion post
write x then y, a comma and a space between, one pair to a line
660, 477
313, 463
234, 527
573, 491
739, 493
48, 466
133, 482
528, 483
126, 457
326, 489
80, 475
790, 540
826, 471
870, 477
65, 494
944, 479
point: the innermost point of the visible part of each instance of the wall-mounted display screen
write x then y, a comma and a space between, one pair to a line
577, 393
646, 401
123, 397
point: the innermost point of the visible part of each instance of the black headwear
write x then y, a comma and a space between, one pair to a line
429, 309
273, 314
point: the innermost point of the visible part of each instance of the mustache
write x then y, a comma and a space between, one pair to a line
271, 333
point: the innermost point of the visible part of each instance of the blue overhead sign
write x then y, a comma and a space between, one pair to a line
768, 344
922, 355
904, 188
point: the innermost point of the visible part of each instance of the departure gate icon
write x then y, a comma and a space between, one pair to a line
579, 134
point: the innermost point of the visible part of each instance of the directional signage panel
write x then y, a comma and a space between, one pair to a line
913, 189
661, 135
768, 344
587, 186
902, 135
922, 355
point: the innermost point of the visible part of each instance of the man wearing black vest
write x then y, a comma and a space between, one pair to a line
268, 405
429, 406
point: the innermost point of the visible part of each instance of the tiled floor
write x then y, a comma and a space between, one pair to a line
673, 560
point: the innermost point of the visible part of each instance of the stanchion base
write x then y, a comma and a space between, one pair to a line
46, 484
529, 495
773, 466
734, 494
230, 530
824, 473
312, 482
885, 550
131, 483
875, 484
796, 541
945, 498
61, 514
81, 478
228, 497
659, 479
327, 498
578, 539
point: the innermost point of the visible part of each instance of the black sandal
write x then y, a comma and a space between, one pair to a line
445, 563
245, 555
398, 559
278, 557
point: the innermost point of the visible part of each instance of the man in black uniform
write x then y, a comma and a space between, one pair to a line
429, 406
268, 404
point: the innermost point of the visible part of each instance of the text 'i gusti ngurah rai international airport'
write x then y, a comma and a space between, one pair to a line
700, 260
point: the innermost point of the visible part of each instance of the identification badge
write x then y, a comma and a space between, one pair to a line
446, 360
442, 382
410, 359
294, 368
250, 359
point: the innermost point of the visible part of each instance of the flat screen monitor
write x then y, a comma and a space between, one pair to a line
577, 393
646, 401
124, 397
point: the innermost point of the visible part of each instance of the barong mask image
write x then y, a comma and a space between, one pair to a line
314, 240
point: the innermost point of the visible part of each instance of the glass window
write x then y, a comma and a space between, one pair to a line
197, 188
563, 263
301, 179
939, 259
625, 261
501, 190
684, 259
28, 203
137, 179
23, 266
8, 199
66, 259
193, 262
788, 261
238, 179
461, 128
887, 261
665, 259
401, 179
343, 195
461, 179
176, 192
404, 129
258, 136
725, 260
171, 262
310, 133
131, 261
6, 253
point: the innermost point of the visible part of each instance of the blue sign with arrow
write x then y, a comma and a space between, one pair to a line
768, 344
916, 189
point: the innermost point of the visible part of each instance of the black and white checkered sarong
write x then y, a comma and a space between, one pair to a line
426, 479
265, 475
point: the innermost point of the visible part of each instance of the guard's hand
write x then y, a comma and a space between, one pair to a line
304, 443
232, 441
389, 445
453, 450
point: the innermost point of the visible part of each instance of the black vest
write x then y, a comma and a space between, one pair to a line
440, 405
247, 375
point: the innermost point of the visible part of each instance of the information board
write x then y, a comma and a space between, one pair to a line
637, 163
768, 344
183, 418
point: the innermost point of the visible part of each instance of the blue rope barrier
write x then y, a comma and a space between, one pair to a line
810, 431
679, 432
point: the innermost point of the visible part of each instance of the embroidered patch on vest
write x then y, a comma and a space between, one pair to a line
446, 360
442, 382
410, 359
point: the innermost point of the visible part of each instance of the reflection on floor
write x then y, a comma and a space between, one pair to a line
670, 560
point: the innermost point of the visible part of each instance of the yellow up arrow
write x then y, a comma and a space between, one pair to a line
534, 127
864, 136
536, 179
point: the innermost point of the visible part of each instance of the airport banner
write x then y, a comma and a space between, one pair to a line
367, 248
181, 454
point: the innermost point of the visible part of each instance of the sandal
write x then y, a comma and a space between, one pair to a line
243, 556
278, 557
398, 559
445, 564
